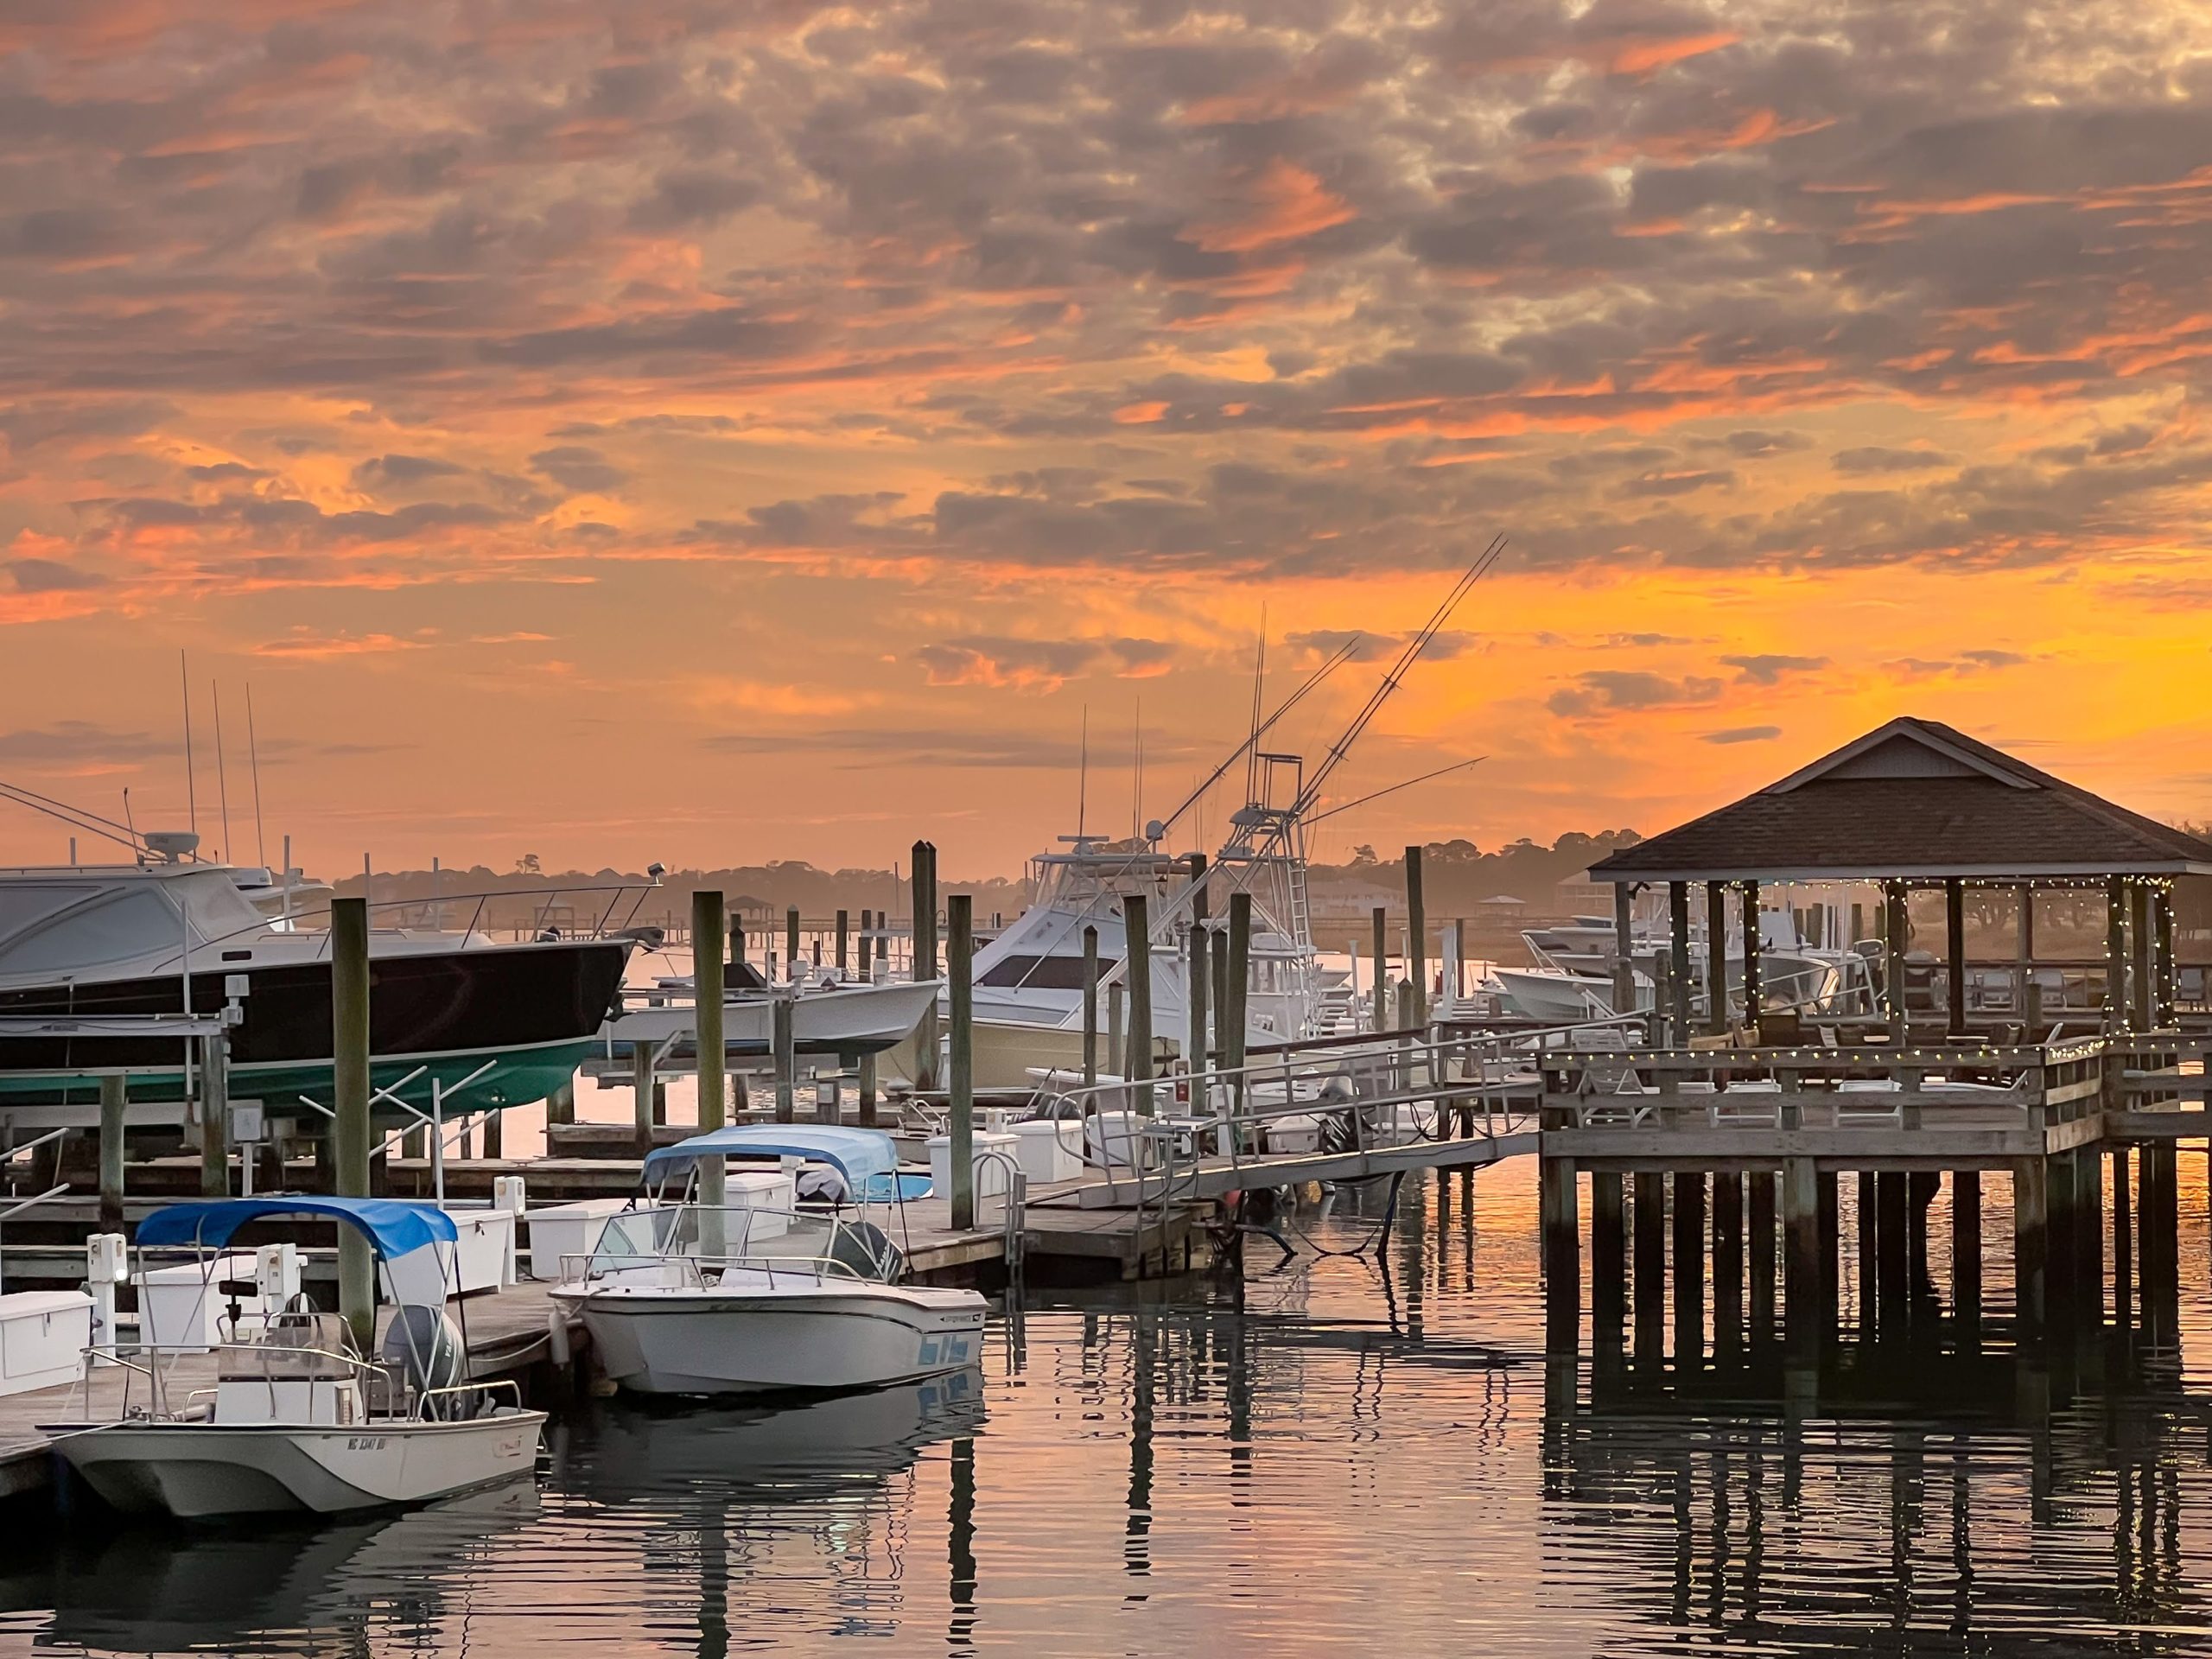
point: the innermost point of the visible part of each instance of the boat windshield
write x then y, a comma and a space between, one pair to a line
732, 1236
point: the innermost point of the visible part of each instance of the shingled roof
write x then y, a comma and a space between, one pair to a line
1913, 799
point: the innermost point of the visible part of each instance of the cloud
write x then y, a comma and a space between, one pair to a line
1965, 662
1875, 459
573, 467
1630, 691
68, 743
994, 660
50, 576
1742, 734
1768, 668
304, 644
1375, 646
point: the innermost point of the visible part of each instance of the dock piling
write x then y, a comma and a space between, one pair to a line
960, 947
1136, 967
1090, 1005
1562, 1253
786, 1061
1759, 1246
1416, 937
114, 1095
923, 889
1382, 971
349, 1019
707, 981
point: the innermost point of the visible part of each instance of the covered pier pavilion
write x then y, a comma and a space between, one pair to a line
1733, 1132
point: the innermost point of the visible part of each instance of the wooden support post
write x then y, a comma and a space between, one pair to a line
1237, 979
1651, 1258
960, 957
1727, 1255
1921, 1186
1197, 976
1801, 1250
1954, 956
349, 1094
1896, 931
866, 1083
1716, 956
1831, 1241
1623, 948
1751, 943
1965, 1248
2115, 953
1136, 968
1689, 1268
708, 915
113, 1098
844, 940
1608, 1253
790, 943
865, 944
1759, 1245
2144, 924
2028, 993
2123, 1237
1117, 1048
1416, 937
1089, 1010
2030, 1241
1222, 1002
2088, 1247
641, 1091
2164, 981
1893, 1269
1870, 1237
494, 1140
2060, 1215
1381, 970
1562, 1254
561, 1104
784, 1057
1678, 945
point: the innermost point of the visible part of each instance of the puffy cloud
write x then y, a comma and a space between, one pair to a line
1040, 663
1631, 691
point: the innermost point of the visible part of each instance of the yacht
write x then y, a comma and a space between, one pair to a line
830, 1014
85, 951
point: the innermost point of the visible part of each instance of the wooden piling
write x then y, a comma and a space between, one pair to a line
1416, 937
113, 1099
1727, 1250
1239, 978
2088, 1265
960, 958
1893, 1266
215, 1116
641, 1091
349, 1019
790, 943
561, 1104
1759, 1245
2123, 1237
784, 1057
1965, 1246
708, 982
1690, 1267
844, 933
1896, 929
1381, 970
1623, 947
1090, 1007
1954, 956
2031, 1241
866, 970
1218, 954
1869, 1253
1650, 1257
1608, 1251
1751, 943
1801, 1250
1562, 1253
1197, 976
1136, 927
923, 889
1678, 944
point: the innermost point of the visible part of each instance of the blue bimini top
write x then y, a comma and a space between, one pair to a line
396, 1227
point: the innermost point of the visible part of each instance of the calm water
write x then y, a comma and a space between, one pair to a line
1333, 1458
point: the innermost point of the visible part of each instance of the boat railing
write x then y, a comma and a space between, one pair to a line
372, 1378
695, 1267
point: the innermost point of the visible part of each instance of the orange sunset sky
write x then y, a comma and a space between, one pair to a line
722, 432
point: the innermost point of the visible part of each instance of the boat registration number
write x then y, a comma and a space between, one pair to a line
366, 1442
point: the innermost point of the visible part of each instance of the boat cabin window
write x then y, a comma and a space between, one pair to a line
69, 927
1042, 973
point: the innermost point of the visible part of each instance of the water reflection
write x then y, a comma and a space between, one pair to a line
1348, 1454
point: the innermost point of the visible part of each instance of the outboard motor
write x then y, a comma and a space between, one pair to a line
424, 1352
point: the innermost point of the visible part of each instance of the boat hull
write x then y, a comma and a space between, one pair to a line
719, 1343
196, 1471
537, 1009
861, 1019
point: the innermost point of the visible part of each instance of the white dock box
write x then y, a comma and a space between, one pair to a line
183, 1306
990, 1175
479, 1259
43, 1334
562, 1229
1050, 1151
774, 1192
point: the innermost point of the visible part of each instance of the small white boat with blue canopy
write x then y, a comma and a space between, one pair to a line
298, 1419
693, 1297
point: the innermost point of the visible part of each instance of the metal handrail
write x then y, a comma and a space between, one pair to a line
816, 1267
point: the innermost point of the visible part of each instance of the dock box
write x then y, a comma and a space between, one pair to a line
990, 1174
43, 1334
482, 1258
560, 1229
774, 1192
1049, 1151
184, 1305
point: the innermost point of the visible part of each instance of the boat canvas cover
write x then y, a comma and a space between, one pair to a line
860, 1156
396, 1227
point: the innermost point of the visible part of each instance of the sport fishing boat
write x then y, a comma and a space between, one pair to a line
493, 1024
300, 1421
829, 1014
690, 1298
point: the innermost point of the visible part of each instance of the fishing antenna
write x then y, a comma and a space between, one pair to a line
1457, 765
1259, 683
191, 785
75, 816
1336, 660
253, 748
222, 772
1082, 775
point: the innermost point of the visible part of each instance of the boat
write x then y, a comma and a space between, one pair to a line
829, 1014
85, 951
693, 1298
300, 1421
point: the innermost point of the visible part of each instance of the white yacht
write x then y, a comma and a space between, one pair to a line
690, 1298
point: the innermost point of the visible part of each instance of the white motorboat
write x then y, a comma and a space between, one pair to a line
300, 1421
692, 1298
828, 1016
